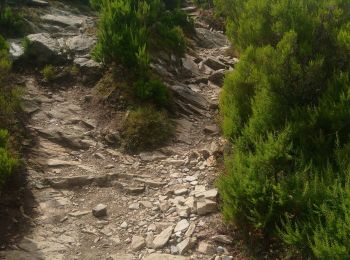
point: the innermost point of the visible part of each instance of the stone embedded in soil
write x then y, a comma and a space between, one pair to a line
211, 129
184, 246
205, 206
205, 248
180, 191
163, 238
222, 239
182, 225
209, 194
100, 210
134, 206
158, 256
121, 257
137, 243
78, 213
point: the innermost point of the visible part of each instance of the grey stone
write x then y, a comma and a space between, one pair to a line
184, 246
158, 256
206, 248
205, 206
190, 67
43, 48
211, 129
121, 257
185, 94
218, 77
69, 181
100, 210
180, 191
181, 226
63, 20
210, 39
137, 243
163, 238
38, 3
80, 44
222, 239
214, 64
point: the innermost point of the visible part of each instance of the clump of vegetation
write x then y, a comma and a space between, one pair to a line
146, 128
7, 161
286, 110
9, 105
49, 72
152, 90
11, 22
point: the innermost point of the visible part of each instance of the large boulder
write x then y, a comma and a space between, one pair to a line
64, 20
42, 48
189, 97
80, 44
210, 39
190, 68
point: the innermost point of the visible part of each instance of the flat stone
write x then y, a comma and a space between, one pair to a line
182, 225
183, 211
215, 64
206, 248
205, 206
190, 66
63, 20
80, 43
121, 257
163, 238
210, 38
188, 96
208, 194
38, 3
134, 206
218, 77
43, 48
190, 202
100, 210
180, 191
124, 225
146, 204
224, 239
158, 256
184, 246
60, 163
199, 190
190, 230
211, 129
152, 183
151, 156
69, 181
137, 243
78, 213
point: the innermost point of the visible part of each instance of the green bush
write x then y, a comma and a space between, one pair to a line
173, 39
49, 72
286, 110
11, 23
9, 104
7, 161
152, 90
146, 128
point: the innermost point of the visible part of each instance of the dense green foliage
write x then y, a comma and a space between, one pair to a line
8, 105
129, 29
146, 128
286, 109
11, 22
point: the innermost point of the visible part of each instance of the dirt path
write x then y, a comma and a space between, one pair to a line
158, 204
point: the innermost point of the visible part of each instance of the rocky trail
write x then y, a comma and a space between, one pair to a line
92, 201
